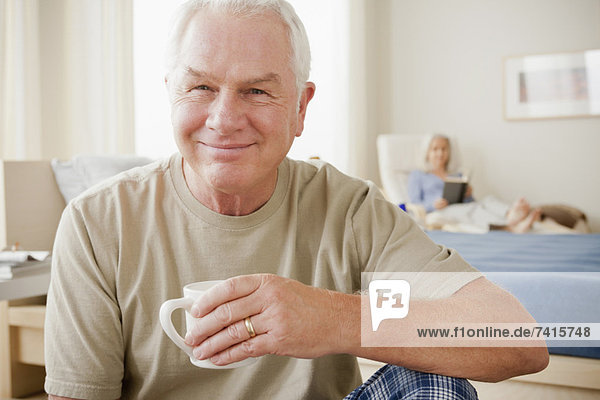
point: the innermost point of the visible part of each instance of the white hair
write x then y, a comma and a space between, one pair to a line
300, 54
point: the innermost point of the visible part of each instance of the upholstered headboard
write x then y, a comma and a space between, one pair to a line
30, 204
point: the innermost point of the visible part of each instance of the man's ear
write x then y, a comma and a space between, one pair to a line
305, 98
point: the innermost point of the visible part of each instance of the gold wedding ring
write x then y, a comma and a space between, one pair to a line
249, 327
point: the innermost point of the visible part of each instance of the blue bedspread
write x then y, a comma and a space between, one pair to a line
558, 296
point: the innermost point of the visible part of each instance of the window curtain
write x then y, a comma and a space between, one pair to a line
20, 109
66, 78
358, 81
371, 76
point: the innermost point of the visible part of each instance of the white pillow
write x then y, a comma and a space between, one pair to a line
69, 181
82, 172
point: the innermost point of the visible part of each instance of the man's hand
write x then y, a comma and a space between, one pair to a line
289, 318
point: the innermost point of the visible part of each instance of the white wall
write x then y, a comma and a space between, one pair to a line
153, 130
446, 75
326, 120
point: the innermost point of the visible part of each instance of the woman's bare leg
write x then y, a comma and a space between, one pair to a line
525, 225
518, 211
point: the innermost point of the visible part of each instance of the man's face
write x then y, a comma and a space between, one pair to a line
234, 101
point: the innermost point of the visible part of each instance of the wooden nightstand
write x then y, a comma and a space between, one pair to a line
22, 313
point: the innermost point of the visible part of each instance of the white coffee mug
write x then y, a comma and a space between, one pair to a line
190, 293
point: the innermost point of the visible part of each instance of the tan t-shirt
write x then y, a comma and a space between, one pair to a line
129, 244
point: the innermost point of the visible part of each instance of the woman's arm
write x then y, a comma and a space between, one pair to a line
415, 188
417, 191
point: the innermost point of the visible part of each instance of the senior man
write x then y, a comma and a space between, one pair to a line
292, 237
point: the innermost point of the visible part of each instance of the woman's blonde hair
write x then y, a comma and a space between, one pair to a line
451, 164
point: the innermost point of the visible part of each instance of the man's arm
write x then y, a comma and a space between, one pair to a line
296, 320
478, 301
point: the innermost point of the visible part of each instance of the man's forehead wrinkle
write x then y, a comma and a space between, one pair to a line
269, 77
192, 71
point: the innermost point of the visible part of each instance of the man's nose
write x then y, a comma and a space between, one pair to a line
226, 113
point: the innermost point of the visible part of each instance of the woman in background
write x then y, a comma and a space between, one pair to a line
425, 188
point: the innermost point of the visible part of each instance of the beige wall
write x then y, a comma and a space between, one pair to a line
446, 75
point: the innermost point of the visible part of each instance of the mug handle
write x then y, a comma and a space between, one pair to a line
166, 310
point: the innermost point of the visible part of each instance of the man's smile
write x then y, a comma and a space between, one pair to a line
225, 151
227, 146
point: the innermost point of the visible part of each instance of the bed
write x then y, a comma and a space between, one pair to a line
556, 277
569, 291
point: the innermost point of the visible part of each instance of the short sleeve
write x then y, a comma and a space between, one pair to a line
83, 341
389, 241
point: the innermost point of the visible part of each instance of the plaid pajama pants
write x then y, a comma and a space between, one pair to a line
394, 383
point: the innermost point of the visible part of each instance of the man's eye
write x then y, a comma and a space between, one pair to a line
201, 87
257, 91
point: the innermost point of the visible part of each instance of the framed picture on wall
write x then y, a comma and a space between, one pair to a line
552, 85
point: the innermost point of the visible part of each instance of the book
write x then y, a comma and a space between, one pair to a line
22, 256
455, 189
11, 270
